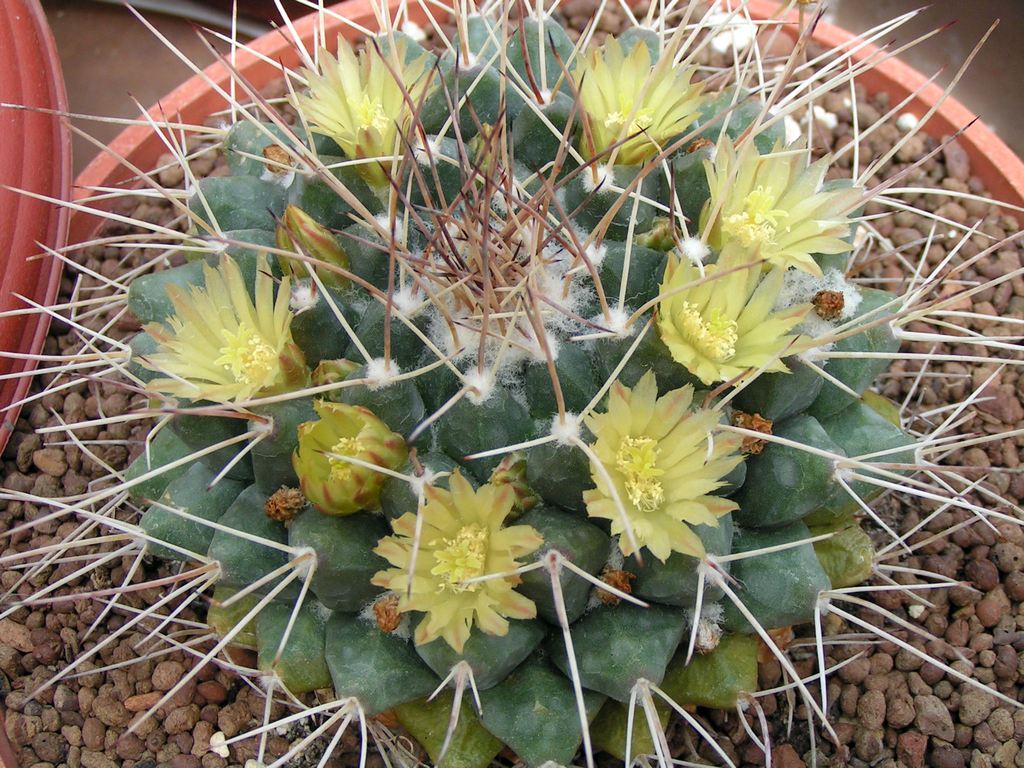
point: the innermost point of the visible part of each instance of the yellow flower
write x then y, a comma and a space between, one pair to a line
625, 96
336, 486
462, 538
775, 206
655, 450
723, 326
219, 345
358, 102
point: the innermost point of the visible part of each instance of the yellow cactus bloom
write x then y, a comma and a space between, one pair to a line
356, 100
723, 326
624, 96
655, 451
220, 345
462, 537
336, 486
775, 206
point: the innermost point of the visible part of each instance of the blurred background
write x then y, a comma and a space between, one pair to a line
109, 57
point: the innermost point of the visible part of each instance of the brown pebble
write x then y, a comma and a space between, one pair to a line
130, 747
143, 701
871, 709
49, 747
910, 749
167, 674
983, 574
992, 607
975, 706
16, 635
945, 756
786, 756
933, 718
51, 461
93, 732
212, 691
111, 712
181, 719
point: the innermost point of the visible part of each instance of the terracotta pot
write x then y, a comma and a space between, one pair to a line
35, 156
991, 160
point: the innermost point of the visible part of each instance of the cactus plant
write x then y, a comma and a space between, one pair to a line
527, 367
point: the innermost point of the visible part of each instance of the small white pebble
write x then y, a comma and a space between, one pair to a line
217, 745
414, 30
916, 611
907, 121
825, 118
793, 130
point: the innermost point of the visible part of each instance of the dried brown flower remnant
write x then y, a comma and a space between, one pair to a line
385, 611
618, 579
698, 144
829, 304
756, 423
781, 637
277, 157
284, 504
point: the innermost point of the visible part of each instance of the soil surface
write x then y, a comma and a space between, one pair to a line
888, 708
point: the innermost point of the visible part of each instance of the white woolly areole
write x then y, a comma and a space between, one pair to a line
381, 372
709, 626
617, 321
480, 386
565, 429
799, 287
407, 300
596, 253
283, 179
420, 150
384, 222
303, 297
597, 176
305, 565
695, 250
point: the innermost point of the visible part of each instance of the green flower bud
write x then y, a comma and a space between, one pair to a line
298, 231
335, 485
333, 371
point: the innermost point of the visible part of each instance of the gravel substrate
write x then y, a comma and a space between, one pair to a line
887, 707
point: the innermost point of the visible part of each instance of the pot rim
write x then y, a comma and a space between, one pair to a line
41, 164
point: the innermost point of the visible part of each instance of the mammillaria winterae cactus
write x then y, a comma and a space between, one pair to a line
525, 367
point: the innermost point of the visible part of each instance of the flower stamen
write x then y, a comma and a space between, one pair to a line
758, 223
246, 356
460, 558
637, 460
714, 336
